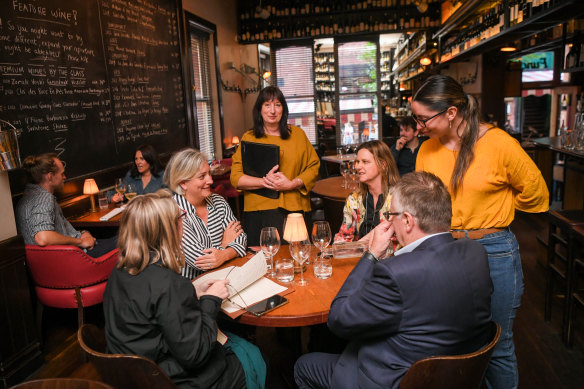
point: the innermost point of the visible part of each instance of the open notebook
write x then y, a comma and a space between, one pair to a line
247, 284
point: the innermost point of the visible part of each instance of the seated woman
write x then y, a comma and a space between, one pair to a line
146, 174
212, 234
150, 310
365, 207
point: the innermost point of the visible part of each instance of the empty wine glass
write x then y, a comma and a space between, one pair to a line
300, 251
345, 167
270, 244
321, 235
120, 187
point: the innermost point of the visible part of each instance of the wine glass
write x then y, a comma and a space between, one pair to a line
120, 187
270, 244
345, 167
321, 235
300, 251
131, 191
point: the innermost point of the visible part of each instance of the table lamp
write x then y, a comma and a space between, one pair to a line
90, 188
235, 141
295, 232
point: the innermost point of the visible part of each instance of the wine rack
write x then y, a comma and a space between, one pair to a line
324, 76
290, 19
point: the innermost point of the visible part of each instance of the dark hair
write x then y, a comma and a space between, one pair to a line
441, 92
424, 196
267, 94
36, 166
408, 121
385, 163
151, 157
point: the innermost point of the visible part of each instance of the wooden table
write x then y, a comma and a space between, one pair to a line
308, 305
91, 219
331, 188
335, 159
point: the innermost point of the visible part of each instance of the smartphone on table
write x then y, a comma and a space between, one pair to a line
267, 305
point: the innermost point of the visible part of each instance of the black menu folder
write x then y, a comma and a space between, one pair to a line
258, 159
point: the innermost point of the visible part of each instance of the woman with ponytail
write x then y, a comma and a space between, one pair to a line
488, 175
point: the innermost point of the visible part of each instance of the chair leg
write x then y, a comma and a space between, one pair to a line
79, 307
39, 319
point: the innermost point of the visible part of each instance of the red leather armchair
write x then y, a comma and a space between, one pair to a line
66, 277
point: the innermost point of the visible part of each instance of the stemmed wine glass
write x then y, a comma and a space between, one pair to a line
120, 187
345, 167
131, 191
300, 251
270, 244
321, 235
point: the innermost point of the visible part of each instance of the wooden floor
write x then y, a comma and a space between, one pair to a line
544, 362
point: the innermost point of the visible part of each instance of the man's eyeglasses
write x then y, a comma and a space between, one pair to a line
388, 214
422, 122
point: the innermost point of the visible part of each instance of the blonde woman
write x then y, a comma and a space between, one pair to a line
150, 310
365, 207
212, 235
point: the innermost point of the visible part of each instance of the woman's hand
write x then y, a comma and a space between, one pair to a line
212, 259
278, 181
217, 288
232, 231
117, 198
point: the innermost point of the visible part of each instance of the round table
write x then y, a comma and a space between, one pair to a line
331, 188
308, 305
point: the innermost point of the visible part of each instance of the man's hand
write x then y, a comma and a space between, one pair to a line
217, 288
232, 231
400, 143
380, 240
87, 241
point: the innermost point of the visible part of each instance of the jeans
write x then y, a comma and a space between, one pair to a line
507, 276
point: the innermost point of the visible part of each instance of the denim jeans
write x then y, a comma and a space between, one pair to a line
507, 277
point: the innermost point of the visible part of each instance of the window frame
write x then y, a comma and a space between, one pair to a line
194, 22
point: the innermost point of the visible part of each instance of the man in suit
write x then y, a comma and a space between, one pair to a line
431, 298
39, 217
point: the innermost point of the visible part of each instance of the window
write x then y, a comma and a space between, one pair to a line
294, 74
357, 66
202, 95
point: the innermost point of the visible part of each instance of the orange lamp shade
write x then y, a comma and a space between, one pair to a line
295, 229
90, 187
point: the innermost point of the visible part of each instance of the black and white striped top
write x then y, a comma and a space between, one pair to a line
197, 236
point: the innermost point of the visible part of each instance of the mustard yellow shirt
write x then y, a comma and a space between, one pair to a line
500, 179
297, 159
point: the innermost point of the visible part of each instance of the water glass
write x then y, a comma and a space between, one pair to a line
102, 200
323, 266
285, 270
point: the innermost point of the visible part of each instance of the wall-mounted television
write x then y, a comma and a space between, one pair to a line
537, 67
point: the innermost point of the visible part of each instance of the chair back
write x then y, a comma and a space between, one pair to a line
465, 371
66, 277
122, 371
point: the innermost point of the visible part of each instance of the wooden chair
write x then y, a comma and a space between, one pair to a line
452, 372
122, 371
62, 383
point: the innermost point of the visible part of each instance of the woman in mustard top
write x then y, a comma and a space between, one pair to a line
294, 177
488, 175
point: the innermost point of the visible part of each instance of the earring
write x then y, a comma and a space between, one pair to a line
450, 124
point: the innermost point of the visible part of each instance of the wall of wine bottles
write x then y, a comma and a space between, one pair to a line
324, 76
493, 18
291, 19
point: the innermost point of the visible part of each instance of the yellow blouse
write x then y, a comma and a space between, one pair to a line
500, 178
297, 159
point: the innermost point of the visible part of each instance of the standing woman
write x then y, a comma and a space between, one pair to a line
212, 235
364, 208
150, 310
294, 177
146, 173
488, 175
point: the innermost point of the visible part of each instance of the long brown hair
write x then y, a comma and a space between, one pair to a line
440, 92
149, 233
385, 163
267, 94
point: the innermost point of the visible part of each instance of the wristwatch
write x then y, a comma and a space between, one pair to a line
370, 256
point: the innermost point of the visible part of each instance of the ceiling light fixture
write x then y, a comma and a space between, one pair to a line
425, 61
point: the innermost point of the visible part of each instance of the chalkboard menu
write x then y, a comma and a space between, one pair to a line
92, 79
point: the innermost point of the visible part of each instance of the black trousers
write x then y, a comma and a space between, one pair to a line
253, 222
103, 246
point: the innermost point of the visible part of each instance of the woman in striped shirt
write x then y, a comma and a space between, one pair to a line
212, 235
